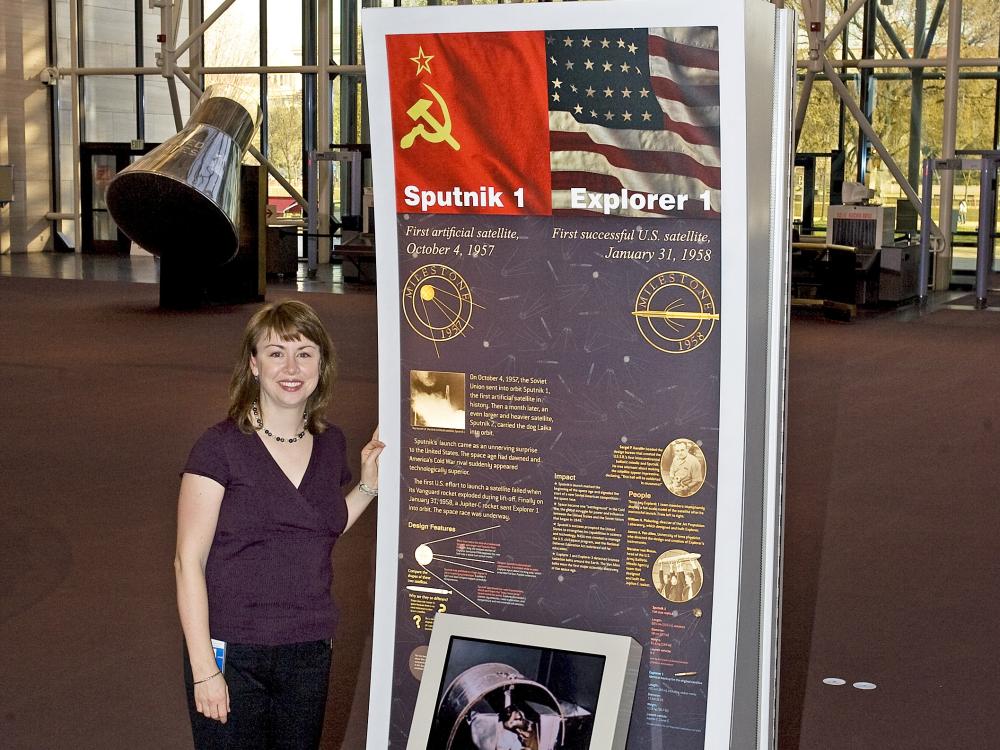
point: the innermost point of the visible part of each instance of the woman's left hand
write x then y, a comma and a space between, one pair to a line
369, 460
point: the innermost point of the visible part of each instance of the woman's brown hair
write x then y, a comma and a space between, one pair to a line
289, 320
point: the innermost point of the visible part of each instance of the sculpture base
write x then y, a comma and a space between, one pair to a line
188, 281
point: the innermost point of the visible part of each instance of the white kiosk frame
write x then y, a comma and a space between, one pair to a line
756, 47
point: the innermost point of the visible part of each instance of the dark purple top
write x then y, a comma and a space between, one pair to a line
268, 571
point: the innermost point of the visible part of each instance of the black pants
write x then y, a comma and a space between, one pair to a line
277, 697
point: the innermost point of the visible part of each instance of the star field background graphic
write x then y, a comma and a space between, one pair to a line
558, 310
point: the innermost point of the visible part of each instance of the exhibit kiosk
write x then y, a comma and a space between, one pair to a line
582, 212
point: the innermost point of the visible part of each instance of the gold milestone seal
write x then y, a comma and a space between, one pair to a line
437, 302
677, 576
675, 312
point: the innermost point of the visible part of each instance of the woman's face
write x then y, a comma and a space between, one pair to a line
288, 370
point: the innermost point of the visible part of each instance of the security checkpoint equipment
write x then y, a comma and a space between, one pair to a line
987, 168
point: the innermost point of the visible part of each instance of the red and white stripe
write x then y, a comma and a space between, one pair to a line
683, 157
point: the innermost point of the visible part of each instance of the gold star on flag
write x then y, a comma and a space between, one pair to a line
625, 67
626, 93
646, 117
586, 41
422, 60
608, 92
627, 117
643, 92
606, 66
593, 113
569, 65
578, 109
568, 41
588, 64
589, 90
632, 48
609, 115
556, 83
621, 42
572, 88
555, 96
605, 43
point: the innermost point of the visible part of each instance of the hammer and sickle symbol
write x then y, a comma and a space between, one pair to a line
439, 131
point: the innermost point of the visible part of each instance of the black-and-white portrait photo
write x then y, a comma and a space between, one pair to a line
683, 467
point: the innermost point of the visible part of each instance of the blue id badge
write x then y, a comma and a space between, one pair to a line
220, 654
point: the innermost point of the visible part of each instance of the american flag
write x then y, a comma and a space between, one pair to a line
636, 109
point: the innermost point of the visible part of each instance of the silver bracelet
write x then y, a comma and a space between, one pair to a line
370, 491
198, 682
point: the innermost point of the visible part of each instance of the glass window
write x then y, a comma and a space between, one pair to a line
109, 108
821, 166
234, 39
932, 118
802, 35
336, 184
284, 33
980, 28
335, 38
901, 19
836, 49
891, 121
159, 111
821, 125
65, 152
974, 130
109, 36
975, 124
284, 136
61, 10
347, 129
151, 27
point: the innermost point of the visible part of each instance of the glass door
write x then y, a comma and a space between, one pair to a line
99, 163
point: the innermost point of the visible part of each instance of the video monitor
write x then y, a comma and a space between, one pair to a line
495, 685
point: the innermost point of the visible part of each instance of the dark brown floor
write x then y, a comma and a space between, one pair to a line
891, 538
103, 394
891, 563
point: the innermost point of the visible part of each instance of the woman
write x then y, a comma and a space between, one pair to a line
260, 508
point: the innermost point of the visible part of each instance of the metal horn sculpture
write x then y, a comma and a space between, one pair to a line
183, 196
